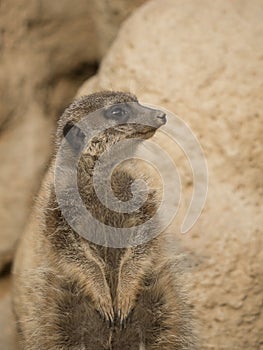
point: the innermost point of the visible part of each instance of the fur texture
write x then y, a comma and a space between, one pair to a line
71, 294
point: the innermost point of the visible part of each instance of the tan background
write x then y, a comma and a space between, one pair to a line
202, 60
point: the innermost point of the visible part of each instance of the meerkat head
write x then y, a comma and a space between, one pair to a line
90, 159
114, 116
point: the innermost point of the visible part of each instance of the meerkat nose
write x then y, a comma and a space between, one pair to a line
162, 117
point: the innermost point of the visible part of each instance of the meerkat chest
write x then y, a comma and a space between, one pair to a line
112, 258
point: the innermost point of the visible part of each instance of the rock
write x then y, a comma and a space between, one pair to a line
46, 51
7, 323
203, 60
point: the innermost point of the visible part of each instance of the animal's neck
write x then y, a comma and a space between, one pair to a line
105, 159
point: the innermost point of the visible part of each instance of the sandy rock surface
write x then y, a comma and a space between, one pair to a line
7, 324
203, 60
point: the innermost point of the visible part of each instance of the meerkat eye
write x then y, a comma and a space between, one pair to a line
118, 113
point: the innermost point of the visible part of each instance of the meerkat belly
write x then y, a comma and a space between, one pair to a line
79, 326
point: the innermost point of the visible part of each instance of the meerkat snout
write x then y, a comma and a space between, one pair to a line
162, 117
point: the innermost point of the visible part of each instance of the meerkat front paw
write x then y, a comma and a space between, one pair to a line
103, 304
124, 305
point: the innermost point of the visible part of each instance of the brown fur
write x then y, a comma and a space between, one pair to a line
73, 294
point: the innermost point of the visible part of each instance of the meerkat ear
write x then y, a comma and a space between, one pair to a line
74, 135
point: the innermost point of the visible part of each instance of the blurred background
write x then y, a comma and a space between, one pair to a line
200, 59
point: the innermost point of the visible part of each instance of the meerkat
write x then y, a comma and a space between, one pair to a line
72, 294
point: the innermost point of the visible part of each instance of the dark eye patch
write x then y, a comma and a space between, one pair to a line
119, 112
